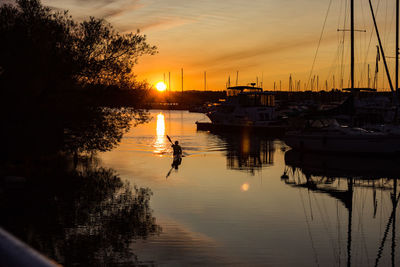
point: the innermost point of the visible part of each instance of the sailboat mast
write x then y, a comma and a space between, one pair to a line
350, 218
352, 42
394, 199
182, 79
397, 49
382, 52
205, 81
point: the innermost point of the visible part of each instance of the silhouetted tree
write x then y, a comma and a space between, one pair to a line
43, 49
98, 129
55, 77
106, 57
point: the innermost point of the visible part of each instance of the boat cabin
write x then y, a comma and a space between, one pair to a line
236, 90
250, 96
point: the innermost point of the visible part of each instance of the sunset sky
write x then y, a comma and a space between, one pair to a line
268, 39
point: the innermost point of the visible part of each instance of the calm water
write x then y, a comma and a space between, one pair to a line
240, 199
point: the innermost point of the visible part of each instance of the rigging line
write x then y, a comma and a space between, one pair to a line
381, 247
361, 226
343, 39
380, 215
361, 211
309, 229
370, 39
361, 43
367, 51
326, 226
359, 56
319, 43
309, 202
387, 30
335, 59
386, 15
338, 228
340, 36
385, 34
340, 15
334, 63
382, 51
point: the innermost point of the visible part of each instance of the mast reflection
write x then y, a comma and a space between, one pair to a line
160, 144
248, 152
345, 178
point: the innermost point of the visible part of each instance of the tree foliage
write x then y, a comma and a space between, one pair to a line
98, 129
55, 74
50, 50
106, 56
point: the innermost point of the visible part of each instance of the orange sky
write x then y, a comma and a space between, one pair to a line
267, 39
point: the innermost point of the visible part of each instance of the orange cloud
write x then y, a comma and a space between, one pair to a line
263, 50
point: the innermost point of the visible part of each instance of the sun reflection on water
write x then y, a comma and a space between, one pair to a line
159, 144
245, 187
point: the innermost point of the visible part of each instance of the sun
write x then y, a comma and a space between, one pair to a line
161, 86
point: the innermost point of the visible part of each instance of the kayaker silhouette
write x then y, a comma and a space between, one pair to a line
177, 148
177, 155
177, 152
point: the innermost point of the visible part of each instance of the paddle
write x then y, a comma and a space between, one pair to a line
169, 172
169, 139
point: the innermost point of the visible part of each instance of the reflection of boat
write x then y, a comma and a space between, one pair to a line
324, 174
326, 135
363, 108
248, 151
245, 106
332, 166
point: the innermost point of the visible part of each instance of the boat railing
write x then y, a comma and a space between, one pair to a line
14, 252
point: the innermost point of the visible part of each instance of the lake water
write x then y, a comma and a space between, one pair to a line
241, 199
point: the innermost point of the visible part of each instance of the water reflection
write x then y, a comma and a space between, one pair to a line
245, 187
208, 218
160, 144
176, 162
367, 168
248, 152
86, 216
349, 180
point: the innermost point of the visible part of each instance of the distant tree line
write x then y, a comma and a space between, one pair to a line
55, 75
185, 100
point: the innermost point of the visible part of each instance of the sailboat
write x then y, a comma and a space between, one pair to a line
320, 134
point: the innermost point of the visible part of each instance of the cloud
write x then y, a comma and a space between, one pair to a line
157, 24
256, 55
269, 49
107, 9
112, 12
166, 24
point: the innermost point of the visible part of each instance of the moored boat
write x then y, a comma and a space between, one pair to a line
245, 107
326, 135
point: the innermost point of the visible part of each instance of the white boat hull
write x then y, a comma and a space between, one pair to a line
354, 144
